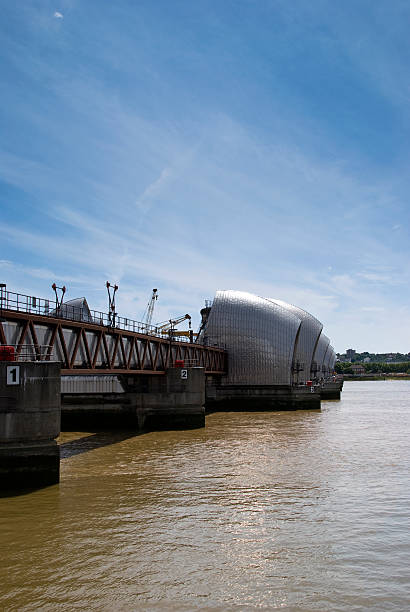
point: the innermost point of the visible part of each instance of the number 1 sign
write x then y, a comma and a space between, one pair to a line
13, 375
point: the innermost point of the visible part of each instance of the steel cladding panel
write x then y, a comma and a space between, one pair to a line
91, 384
310, 330
330, 358
326, 357
321, 349
258, 334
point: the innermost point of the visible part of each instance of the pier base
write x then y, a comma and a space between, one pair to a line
331, 390
249, 398
97, 411
29, 424
29, 465
173, 401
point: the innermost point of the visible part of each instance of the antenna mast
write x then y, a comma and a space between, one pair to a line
111, 289
59, 291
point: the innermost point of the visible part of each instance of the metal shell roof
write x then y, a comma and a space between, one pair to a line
269, 342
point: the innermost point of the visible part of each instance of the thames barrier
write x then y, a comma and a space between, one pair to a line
64, 363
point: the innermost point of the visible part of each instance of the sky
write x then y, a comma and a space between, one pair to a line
256, 145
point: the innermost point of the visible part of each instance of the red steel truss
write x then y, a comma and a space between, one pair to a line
89, 348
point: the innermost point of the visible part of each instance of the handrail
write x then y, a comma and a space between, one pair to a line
32, 352
18, 302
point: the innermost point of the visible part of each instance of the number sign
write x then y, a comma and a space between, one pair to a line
13, 375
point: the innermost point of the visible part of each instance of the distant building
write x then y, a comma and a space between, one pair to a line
350, 353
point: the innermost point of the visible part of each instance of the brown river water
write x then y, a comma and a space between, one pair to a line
304, 510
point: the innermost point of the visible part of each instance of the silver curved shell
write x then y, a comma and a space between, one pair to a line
306, 341
269, 342
258, 334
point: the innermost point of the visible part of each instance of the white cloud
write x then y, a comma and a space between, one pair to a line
146, 199
226, 211
58, 15
391, 278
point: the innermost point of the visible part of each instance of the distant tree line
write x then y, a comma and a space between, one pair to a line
377, 357
345, 367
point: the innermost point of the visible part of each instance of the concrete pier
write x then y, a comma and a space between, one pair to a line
174, 400
29, 424
331, 389
261, 397
97, 411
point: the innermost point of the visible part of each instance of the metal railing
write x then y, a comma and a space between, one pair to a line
32, 352
19, 302
189, 363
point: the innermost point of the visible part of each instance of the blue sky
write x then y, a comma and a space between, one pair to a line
258, 145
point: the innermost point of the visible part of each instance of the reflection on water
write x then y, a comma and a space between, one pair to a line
294, 510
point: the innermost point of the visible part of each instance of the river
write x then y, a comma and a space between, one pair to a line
305, 510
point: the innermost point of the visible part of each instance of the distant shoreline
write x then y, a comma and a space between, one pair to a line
377, 377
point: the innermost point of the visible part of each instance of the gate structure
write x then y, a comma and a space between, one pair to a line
86, 342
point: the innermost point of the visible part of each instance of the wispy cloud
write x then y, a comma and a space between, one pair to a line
394, 278
153, 190
152, 162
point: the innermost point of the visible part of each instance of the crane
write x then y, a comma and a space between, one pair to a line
168, 327
149, 311
188, 333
